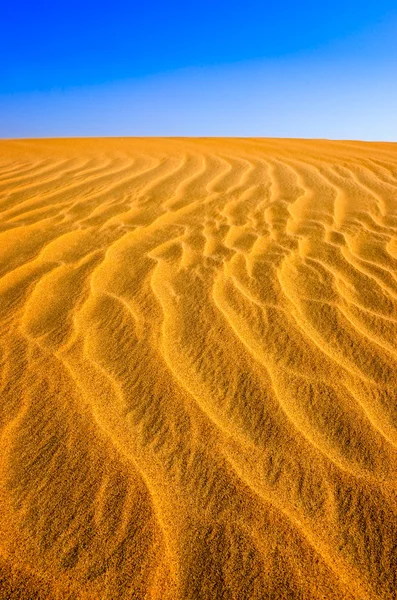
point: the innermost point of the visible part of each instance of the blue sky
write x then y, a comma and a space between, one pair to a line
282, 69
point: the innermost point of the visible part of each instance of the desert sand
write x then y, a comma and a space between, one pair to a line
198, 369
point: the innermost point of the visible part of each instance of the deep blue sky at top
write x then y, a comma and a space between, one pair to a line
60, 48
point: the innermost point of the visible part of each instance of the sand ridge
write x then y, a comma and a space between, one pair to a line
198, 369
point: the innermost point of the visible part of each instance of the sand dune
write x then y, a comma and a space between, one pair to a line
198, 370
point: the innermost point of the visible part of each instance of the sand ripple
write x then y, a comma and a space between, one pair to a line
198, 370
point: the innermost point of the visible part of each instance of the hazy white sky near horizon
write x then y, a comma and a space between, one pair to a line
343, 90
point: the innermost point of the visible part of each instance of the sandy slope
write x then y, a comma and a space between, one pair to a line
198, 370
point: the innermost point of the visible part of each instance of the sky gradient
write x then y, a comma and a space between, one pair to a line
267, 69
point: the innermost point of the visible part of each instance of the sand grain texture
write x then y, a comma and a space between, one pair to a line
198, 370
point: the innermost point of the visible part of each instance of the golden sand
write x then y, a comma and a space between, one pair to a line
198, 370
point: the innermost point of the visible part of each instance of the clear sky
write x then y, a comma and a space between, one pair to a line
248, 68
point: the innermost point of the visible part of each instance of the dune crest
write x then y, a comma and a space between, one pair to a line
198, 369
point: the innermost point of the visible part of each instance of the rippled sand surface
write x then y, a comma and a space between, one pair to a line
198, 370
